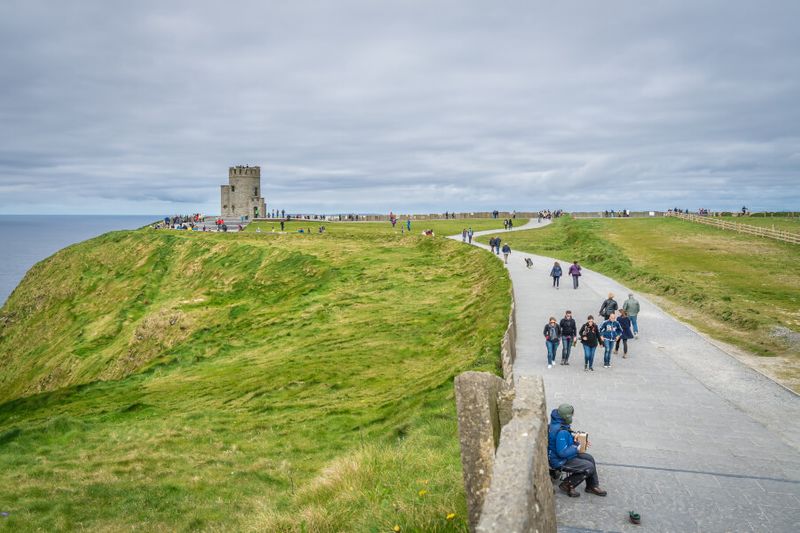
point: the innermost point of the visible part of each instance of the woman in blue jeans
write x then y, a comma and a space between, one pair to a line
610, 331
590, 336
552, 336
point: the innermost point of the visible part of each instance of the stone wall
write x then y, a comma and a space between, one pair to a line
336, 217
633, 214
520, 496
502, 429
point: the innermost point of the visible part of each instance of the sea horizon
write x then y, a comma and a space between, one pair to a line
27, 239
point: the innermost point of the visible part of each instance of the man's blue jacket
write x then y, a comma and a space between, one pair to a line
560, 443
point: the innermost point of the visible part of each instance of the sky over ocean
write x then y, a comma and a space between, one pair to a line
420, 106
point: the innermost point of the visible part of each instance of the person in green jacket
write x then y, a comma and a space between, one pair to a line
631, 306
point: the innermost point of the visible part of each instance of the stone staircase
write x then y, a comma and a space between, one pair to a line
232, 223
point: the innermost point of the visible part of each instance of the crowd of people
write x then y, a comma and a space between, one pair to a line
622, 213
703, 211
617, 328
549, 215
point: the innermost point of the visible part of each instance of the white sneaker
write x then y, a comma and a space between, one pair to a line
549, 366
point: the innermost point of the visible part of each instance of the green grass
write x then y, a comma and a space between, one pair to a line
252, 382
734, 287
441, 228
791, 224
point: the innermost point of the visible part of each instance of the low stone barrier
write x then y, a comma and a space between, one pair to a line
603, 214
508, 346
502, 429
520, 495
401, 217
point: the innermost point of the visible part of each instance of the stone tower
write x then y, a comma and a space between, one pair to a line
241, 197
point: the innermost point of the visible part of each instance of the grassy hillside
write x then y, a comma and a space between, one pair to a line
736, 288
441, 228
185, 381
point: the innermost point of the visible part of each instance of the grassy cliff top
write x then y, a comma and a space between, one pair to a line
179, 380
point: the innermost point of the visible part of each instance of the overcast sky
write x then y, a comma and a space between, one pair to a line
366, 106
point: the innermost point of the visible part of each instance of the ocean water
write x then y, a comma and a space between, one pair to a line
27, 239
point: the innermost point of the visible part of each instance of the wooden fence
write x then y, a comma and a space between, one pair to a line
750, 229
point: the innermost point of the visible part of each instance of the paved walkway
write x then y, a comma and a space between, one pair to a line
682, 432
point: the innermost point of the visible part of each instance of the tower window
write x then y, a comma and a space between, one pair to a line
233, 188
255, 191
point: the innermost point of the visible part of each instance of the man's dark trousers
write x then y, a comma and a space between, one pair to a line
582, 467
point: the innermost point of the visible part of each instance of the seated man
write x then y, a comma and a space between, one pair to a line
562, 452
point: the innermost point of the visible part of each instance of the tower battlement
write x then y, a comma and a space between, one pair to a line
244, 170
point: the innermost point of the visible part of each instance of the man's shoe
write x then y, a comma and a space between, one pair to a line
549, 366
596, 490
616, 351
567, 488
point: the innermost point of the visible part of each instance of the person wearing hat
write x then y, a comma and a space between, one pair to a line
562, 453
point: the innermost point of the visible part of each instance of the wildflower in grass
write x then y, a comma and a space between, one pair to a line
396, 528
450, 516
422, 492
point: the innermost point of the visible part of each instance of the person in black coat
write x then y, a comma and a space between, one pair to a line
590, 338
569, 331
609, 306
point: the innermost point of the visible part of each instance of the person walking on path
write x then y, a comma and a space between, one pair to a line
575, 272
552, 336
464, 235
563, 452
408, 224
590, 337
555, 273
631, 307
627, 333
610, 331
470, 233
506, 252
568, 332
609, 306
497, 241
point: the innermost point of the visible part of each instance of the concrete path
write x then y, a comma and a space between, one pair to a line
682, 432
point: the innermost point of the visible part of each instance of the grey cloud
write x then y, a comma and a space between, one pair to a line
356, 105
